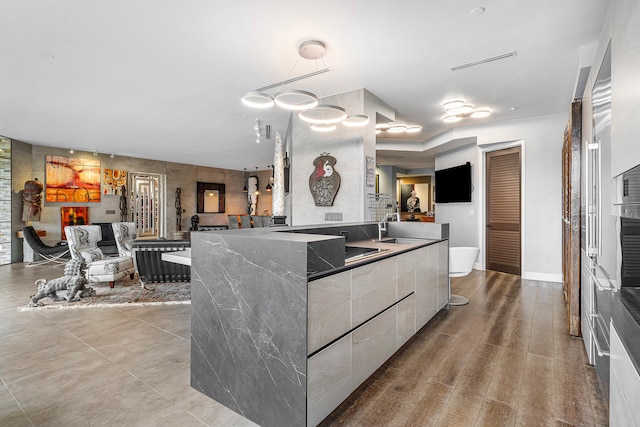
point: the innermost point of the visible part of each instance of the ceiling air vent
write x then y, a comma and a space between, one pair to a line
484, 61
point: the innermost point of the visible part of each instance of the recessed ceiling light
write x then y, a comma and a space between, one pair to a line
513, 108
477, 11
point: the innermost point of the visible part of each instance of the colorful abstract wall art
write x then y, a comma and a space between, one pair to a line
112, 181
73, 215
70, 179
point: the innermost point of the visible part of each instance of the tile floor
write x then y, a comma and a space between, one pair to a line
130, 366
97, 367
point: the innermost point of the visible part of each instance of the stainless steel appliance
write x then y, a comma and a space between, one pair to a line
598, 240
629, 227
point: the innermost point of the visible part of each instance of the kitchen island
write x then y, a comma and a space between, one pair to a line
283, 329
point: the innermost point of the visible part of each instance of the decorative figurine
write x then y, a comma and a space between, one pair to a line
195, 220
178, 209
73, 282
124, 210
32, 200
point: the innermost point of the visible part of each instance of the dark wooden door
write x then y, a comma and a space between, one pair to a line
571, 161
503, 210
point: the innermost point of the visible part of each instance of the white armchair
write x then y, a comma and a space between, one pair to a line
125, 234
83, 245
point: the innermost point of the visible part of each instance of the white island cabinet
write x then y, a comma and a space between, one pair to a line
624, 386
360, 317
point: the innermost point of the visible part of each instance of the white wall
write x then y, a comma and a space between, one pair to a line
350, 147
462, 217
542, 138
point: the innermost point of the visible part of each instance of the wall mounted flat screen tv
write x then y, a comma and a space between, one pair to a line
453, 184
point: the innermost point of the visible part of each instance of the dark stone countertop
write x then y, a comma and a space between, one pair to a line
626, 319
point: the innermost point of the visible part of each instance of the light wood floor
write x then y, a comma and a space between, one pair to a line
506, 359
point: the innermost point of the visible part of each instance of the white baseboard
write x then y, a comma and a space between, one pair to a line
542, 277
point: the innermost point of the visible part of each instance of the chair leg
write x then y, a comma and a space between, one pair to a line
55, 259
131, 275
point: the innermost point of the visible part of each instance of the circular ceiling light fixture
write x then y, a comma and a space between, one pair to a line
257, 99
413, 129
451, 119
323, 113
397, 128
458, 109
461, 110
453, 104
296, 100
323, 127
356, 120
478, 114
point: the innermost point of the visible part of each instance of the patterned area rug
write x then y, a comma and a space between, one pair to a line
126, 293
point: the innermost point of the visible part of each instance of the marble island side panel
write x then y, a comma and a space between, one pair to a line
249, 321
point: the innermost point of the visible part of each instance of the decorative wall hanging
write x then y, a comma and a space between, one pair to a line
32, 200
112, 180
73, 215
371, 171
70, 179
324, 182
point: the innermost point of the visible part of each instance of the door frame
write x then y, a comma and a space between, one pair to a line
482, 215
162, 197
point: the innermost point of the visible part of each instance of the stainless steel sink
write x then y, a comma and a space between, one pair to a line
402, 240
353, 253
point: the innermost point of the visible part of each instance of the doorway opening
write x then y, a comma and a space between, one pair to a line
415, 197
147, 204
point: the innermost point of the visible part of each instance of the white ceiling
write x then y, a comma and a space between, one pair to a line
162, 79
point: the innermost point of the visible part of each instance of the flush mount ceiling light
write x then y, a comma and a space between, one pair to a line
306, 103
396, 127
458, 109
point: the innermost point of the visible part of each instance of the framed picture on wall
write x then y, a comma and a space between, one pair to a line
73, 215
70, 179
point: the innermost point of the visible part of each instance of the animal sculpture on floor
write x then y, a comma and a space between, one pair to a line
73, 281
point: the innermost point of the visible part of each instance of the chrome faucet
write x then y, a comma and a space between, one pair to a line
382, 224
